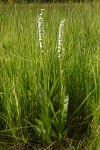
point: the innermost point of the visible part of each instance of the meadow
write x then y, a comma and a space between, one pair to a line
50, 76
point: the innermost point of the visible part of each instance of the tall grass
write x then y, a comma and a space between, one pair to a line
44, 97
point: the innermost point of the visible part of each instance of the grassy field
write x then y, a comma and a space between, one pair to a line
50, 77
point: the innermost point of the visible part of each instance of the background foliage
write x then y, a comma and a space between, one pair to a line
44, 99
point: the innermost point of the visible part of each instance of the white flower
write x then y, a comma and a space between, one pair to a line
41, 30
60, 37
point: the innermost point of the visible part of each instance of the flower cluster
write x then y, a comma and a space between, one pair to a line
60, 37
41, 30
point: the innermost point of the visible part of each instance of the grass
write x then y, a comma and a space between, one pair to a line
46, 101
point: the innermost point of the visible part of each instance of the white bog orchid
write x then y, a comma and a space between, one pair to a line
41, 30
60, 37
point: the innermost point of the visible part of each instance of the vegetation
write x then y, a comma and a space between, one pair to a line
46, 1
50, 76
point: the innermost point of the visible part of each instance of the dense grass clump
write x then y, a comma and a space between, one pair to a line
50, 76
